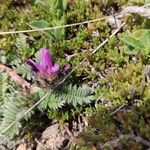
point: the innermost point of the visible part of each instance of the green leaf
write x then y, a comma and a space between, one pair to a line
74, 95
43, 6
133, 42
23, 47
144, 36
13, 108
138, 42
39, 24
25, 71
3, 87
43, 24
50, 102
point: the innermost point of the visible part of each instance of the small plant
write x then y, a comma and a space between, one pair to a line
138, 43
23, 47
54, 8
47, 73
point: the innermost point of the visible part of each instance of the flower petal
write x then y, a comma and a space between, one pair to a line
46, 67
66, 68
53, 71
55, 67
46, 60
32, 65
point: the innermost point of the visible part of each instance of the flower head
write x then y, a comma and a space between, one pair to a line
46, 66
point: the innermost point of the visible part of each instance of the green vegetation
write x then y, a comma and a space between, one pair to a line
116, 76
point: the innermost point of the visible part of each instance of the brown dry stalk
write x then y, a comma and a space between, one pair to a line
17, 79
14, 76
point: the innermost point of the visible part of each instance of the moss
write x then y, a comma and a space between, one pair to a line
105, 127
120, 76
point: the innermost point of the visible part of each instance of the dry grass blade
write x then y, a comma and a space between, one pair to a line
57, 27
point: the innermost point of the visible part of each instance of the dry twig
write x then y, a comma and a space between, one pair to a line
16, 78
115, 142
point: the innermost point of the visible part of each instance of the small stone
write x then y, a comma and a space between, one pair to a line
2, 147
22, 147
53, 139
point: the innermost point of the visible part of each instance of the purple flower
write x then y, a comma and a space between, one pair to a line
65, 69
46, 66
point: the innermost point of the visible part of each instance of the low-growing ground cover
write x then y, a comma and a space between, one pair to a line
89, 79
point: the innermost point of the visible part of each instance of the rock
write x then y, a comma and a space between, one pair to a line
22, 147
142, 11
114, 22
52, 139
2, 147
